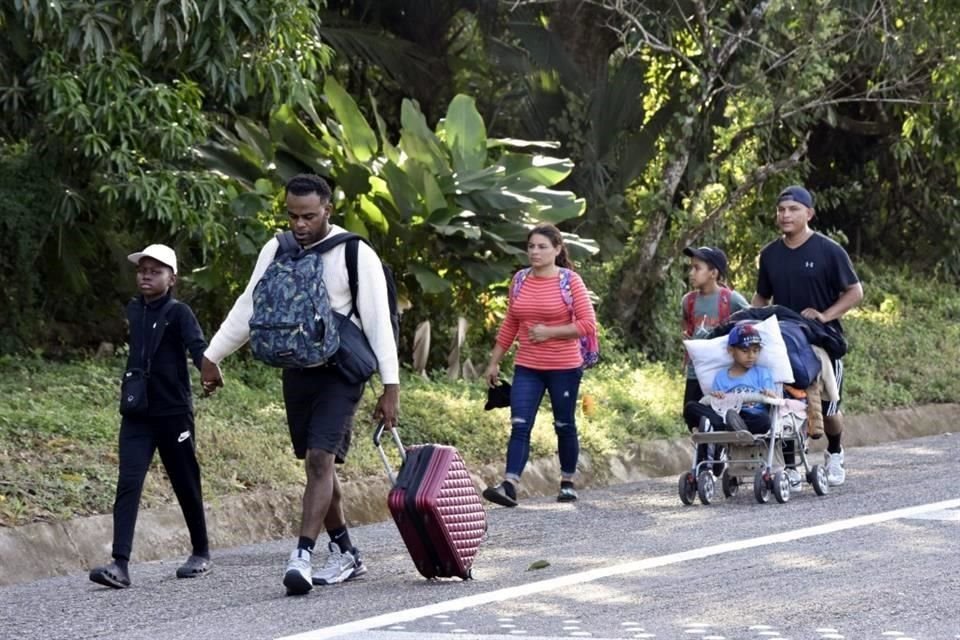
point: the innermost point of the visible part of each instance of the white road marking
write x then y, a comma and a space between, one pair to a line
561, 582
946, 514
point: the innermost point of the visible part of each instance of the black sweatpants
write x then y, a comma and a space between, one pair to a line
173, 437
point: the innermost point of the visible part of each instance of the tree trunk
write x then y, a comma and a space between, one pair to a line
582, 27
645, 269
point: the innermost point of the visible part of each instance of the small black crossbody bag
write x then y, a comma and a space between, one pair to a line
133, 387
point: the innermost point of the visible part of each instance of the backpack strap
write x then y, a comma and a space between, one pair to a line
565, 290
518, 279
157, 335
288, 244
723, 304
689, 302
352, 257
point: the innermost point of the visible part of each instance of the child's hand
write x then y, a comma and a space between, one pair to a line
210, 376
717, 394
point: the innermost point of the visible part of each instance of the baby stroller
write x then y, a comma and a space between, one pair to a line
757, 457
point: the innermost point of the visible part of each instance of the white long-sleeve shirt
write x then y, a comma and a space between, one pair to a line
372, 304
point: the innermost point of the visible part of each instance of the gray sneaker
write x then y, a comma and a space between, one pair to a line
298, 578
359, 570
339, 567
836, 474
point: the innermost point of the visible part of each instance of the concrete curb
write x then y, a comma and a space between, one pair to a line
59, 548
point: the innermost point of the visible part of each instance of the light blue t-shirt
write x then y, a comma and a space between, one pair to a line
755, 380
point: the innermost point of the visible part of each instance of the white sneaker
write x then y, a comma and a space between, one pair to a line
836, 474
298, 579
796, 481
339, 567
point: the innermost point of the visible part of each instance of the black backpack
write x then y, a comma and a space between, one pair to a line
288, 243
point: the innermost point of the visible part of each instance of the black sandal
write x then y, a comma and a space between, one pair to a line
110, 576
194, 567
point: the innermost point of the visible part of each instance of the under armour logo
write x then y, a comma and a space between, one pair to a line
808, 264
183, 436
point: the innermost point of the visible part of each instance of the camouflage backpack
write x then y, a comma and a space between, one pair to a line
293, 324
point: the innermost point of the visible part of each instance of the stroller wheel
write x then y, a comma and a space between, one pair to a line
817, 476
687, 487
781, 486
730, 485
761, 490
706, 486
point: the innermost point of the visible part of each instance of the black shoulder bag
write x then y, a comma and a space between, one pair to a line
356, 359
133, 387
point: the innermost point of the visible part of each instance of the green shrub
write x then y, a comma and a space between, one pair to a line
904, 342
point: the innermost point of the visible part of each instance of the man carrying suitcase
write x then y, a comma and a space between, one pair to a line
320, 401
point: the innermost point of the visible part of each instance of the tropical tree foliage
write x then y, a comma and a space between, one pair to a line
447, 207
757, 85
681, 119
111, 97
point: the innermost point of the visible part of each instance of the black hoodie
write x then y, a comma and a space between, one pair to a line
168, 389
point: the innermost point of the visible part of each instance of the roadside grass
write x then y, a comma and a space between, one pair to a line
59, 425
59, 422
904, 342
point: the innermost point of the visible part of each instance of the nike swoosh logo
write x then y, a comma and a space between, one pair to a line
183, 436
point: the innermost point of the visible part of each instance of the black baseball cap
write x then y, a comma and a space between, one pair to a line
711, 255
797, 194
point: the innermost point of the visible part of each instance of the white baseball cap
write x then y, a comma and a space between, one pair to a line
159, 252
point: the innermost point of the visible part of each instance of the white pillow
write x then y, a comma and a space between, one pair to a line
711, 356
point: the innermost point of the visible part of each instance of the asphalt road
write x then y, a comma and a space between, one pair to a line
877, 558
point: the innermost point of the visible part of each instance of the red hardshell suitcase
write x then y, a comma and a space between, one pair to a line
436, 507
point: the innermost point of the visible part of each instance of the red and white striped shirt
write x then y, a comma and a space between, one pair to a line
540, 302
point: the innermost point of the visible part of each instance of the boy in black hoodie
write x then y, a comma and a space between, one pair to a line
161, 328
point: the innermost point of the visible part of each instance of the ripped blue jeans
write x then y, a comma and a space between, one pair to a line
526, 394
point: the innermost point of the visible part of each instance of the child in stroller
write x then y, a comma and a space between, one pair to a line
754, 417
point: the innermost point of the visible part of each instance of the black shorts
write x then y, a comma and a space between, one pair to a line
320, 407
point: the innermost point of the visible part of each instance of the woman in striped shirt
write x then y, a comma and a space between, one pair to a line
548, 324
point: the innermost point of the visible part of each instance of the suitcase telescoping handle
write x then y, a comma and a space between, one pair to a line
377, 437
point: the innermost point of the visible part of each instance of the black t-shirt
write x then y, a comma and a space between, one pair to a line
813, 275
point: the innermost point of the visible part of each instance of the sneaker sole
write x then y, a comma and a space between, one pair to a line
295, 583
567, 498
498, 498
356, 573
343, 577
